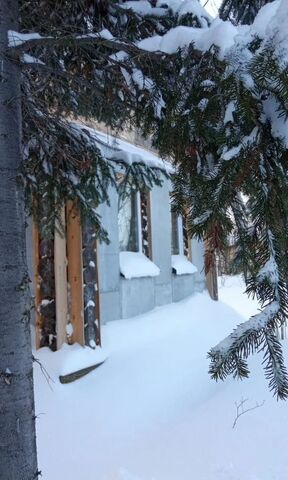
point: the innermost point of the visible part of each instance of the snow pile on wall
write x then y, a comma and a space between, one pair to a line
71, 358
182, 266
152, 408
136, 265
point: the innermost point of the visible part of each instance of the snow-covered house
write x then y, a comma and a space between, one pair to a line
149, 261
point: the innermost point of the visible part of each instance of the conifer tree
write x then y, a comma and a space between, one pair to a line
62, 62
241, 11
225, 126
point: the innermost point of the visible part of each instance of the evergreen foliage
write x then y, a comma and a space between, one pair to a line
221, 126
241, 11
214, 116
70, 72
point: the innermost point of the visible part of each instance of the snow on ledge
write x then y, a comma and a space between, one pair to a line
136, 265
182, 266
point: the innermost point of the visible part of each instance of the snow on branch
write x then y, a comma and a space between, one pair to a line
252, 326
26, 42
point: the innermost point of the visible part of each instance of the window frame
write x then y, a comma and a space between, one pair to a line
141, 248
181, 239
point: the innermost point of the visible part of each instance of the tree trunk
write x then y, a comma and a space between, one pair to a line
17, 418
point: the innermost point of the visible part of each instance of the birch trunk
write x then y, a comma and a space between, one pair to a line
17, 419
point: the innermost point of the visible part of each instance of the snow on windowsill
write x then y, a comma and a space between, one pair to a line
182, 266
137, 265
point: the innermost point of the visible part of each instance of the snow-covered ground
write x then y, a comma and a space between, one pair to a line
151, 412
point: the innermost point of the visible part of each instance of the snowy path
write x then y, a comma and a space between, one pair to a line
152, 410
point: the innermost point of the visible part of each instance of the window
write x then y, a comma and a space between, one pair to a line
181, 259
175, 234
128, 223
133, 223
179, 240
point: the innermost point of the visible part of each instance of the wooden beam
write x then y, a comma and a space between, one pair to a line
190, 250
60, 264
75, 273
212, 283
37, 294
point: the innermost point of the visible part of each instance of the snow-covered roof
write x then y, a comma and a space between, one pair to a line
114, 148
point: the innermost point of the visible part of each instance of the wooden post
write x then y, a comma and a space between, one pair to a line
75, 273
212, 283
60, 264
91, 287
211, 275
37, 294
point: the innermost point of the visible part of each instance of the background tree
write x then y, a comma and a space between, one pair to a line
241, 11
225, 126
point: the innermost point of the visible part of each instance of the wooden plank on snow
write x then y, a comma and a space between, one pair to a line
75, 273
71, 377
60, 264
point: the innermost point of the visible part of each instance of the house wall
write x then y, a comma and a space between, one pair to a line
122, 298
108, 262
161, 242
197, 255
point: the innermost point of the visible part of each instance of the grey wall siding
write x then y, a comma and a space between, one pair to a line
182, 286
198, 260
161, 241
108, 262
122, 298
137, 296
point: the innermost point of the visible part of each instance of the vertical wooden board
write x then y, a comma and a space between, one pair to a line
36, 257
145, 239
212, 283
60, 263
190, 250
149, 224
75, 273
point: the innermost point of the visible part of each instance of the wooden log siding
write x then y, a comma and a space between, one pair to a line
66, 284
38, 320
46, 306
91, 290
146, 224
186, 249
